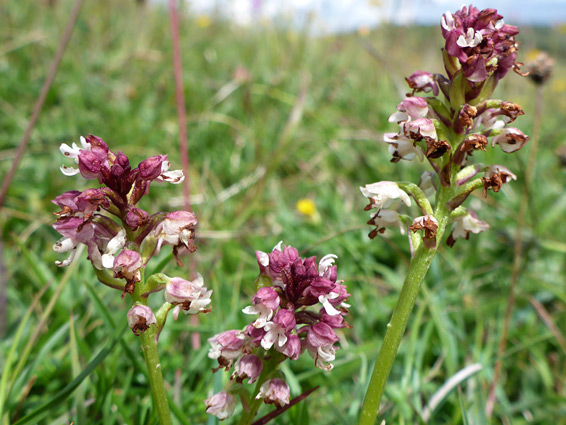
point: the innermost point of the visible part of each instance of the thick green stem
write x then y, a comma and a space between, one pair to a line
396, 328
149, 347
148, 341
395, 331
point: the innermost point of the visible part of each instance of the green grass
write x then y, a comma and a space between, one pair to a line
116, 81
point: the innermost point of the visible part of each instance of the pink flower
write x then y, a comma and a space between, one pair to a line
221, 405
191, 296
249, 366
274, 391
422, 81
227, 345
265, 302
140, 318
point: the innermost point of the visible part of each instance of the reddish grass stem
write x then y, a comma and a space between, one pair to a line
183, 143
518, 250
41, 99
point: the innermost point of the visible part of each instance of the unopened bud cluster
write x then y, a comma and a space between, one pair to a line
298, 307
455, 121
121, 237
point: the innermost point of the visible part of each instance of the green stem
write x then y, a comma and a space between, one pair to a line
149, 347
148, 341
396, 328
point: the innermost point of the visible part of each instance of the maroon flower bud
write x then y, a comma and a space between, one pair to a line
249, 366
422, 81
91, 165
140, 318
268, 297
292, 347
136, 217
150, 168
321, 335
67, 203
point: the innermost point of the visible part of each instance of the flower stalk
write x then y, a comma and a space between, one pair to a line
449, 131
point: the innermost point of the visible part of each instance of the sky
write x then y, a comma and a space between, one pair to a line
330, 16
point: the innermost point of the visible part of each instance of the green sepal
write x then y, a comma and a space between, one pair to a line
262, 281
457, 91
148, 247
156, 280
451, 63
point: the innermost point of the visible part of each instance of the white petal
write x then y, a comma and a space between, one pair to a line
107, 261
68, 151
116, 243
175, 176
64, 245
68, 260
69, 171
278, 246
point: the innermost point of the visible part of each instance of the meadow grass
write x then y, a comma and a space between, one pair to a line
307, 124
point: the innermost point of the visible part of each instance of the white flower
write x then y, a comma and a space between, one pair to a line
402, 147
325, 263
175, 176
472, 39
275, 335
73, 152
387, 218
467, 224
106, 260
323, 356
382, 194
325, 301
265, 314
447, 21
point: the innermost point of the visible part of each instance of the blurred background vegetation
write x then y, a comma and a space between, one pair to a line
275, 117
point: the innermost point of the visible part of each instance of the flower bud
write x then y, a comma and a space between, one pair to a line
292, 347
140, 318
221, 405
127, 266
320, 335
136, 217
249, 366
150, 168
274, 391
422, 81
